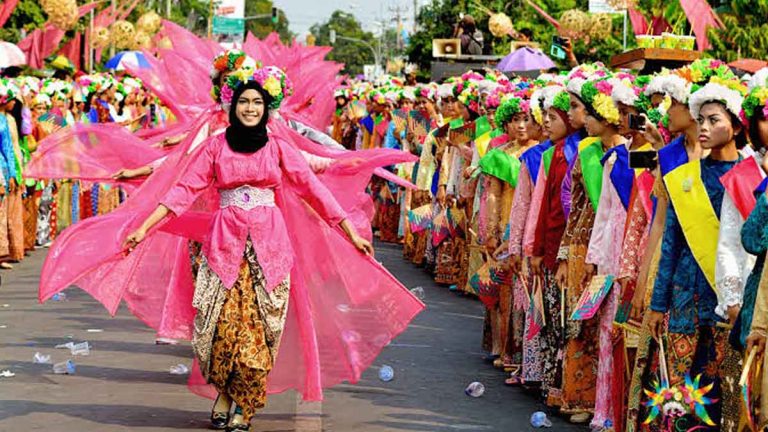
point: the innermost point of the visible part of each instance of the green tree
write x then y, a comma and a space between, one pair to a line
262, 27
745, 34
353, 54
28, 16
437, 19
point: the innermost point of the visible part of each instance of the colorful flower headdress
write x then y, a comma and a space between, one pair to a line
41, 99
428, 91
757, 99
56, 89
759, 79
230, 60
408, 93
377, 96
597, 96
728, 94
680, 83
632, 92
537, 104
8, 90
342, 92
28, 85
271, 78
493, 99
582, 73
508, 108
132, 85
446, 90
470, 95
556, 97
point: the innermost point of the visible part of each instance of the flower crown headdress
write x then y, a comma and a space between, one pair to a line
56, 89
597, 96
509, 107
41, 99
271, 78
557, 97
428, 91
757, 99
582, 73
342, 92
536, 105
729, 94
470, 95
493, 99
8, 90
230, 60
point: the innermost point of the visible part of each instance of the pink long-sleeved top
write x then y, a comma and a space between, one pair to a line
218, 166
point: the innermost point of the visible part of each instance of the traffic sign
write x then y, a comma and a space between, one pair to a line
224, 25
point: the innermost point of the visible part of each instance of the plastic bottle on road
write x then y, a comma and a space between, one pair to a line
41, 358
419, 293
386, 373
539, 420
83, 348
64, 368
475, 389
179, 369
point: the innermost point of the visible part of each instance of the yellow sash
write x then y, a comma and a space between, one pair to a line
697, 218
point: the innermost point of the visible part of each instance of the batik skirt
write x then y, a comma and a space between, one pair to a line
238, 330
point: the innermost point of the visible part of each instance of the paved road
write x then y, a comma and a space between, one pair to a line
125, 384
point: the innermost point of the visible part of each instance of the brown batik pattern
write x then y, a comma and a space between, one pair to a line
247, 332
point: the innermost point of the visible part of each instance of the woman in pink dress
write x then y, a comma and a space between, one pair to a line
283, 299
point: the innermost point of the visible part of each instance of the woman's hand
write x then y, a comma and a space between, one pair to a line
536, 265
589, 273
134, 239
733, 313
123, 174
561, 275
651, 133
656, 324
756, 340
362, 245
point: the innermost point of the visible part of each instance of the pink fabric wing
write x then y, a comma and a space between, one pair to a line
89, 152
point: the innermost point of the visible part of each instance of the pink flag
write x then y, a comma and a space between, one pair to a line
701, 16
6, 10
72, 51
40, 44
639, 24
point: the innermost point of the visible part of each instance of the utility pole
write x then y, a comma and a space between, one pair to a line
397, 11
415, 15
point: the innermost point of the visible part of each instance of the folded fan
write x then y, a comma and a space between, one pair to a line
420, 218
592, 297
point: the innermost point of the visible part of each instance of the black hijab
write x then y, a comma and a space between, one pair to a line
241, 138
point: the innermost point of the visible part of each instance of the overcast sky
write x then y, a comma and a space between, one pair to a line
302, 14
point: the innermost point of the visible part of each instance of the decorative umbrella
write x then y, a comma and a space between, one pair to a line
525, 59
134, 59
11, 55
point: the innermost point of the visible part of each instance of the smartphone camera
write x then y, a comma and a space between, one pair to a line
636, 122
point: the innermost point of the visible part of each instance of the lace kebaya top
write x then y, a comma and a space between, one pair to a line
218, 166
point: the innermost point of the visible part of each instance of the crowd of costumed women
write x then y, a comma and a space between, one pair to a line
611, 223
241, 225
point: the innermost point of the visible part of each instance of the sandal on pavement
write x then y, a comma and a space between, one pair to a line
514, 381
